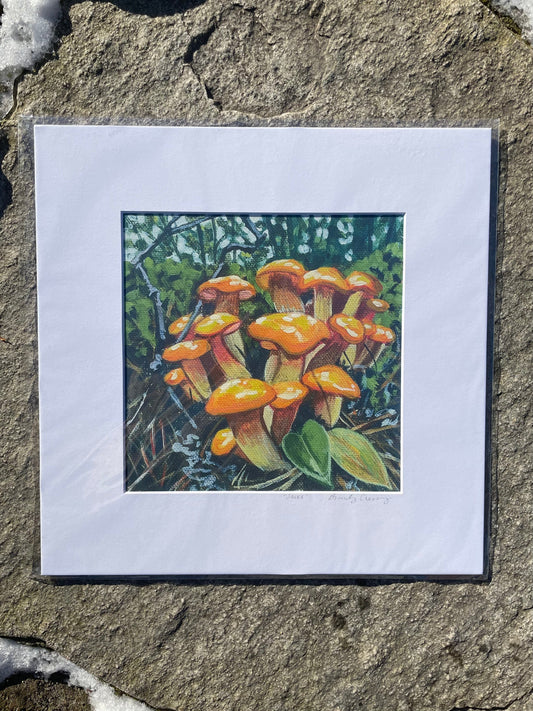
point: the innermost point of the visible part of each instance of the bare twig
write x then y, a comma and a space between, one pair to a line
166, 232
175, 399
260, 237
158, 306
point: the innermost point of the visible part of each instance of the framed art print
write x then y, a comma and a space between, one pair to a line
263, 351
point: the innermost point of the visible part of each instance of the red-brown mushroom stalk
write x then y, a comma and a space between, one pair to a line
241, 402
294, 335
377, 341
227, 292
370, 307
345, 331
282, 279
216, 328
330, 385
177, 377
366, 312
289, 396
355, 354
361, 286
188, 353
325, 282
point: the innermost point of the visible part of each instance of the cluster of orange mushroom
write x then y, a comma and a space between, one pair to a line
323, 326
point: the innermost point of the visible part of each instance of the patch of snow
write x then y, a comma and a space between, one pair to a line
26, 35
16, 658
522, 13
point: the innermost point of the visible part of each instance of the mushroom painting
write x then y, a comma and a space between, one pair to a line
262, 353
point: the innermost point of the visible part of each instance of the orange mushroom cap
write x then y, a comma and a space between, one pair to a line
288, 267
350, 328
288, 393
223, 442
231, 284
176, 327
361, 281
186, 350
295, 333
323, 277
332, 380
377, 305
240, 395
382, 334
217, 323
369, 328
175, 377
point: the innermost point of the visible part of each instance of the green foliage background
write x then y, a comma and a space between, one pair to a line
183, 259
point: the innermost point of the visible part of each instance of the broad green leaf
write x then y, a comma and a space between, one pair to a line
317, 441
309, 452
357, 456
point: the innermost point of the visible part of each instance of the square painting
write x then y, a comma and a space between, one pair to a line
262, 352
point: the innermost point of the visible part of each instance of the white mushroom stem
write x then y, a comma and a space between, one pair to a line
235, 346
272, 365
255, 442
268, 414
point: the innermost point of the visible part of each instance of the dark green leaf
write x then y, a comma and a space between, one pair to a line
309, 452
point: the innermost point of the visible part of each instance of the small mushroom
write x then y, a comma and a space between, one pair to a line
188, 353
177, 327
325, 282
227, 292
330, 385
378, 339
370, 307
361, 286
223, 442
289, 396
345, 331
241, 402
294, 335
282, 278
356, 353
177, 377
216, 328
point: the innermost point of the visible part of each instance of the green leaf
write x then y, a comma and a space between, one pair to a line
317, 441
357, 456
309, 452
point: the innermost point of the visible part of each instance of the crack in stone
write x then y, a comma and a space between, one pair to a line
315, 11
495, 708
198, 41
509, 22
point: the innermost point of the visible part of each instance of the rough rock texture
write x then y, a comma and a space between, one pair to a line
328, 647
37, 695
